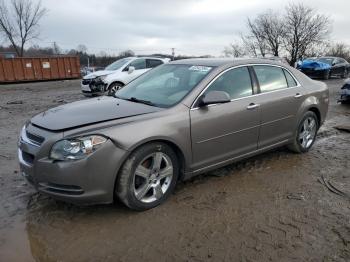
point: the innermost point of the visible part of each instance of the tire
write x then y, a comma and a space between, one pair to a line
299, 145
146, 179
345, 73
326, 75
113, 88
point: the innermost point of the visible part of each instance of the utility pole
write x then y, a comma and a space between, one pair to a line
173, 53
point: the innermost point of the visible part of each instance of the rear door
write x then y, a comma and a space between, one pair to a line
223, 131
280, 99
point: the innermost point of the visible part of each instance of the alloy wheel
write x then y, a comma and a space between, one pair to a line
152, 177
307, 132
113, 89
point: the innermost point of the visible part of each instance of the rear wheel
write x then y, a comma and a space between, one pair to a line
113, 88
148, 176
305, 134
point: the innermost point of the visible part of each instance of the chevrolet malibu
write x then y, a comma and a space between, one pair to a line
176, 121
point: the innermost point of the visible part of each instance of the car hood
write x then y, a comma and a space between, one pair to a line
308, 64
98, 73
87, 112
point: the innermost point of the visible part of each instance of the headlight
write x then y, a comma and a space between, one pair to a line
76, 148
101, 77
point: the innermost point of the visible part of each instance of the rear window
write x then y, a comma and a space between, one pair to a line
270, 78
290, 80
151, 63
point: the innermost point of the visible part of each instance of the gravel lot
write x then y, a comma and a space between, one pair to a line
268, 208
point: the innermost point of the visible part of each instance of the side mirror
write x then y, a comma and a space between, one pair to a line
131, 69
214, 97
334, 63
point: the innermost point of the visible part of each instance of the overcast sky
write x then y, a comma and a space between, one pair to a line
196, 27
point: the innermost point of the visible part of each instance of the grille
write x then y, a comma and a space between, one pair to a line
86, 81
35, 138
29, 158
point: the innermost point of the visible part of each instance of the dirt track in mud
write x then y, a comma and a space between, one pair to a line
268, 208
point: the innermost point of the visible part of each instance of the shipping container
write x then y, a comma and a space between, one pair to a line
22, 69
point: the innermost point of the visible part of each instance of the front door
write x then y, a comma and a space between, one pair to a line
224, 131
140, 68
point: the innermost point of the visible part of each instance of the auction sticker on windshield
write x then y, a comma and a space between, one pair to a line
200, 68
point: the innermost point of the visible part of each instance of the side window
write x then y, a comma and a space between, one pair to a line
342, 60
151, 63
138, 64
270, 78
290, 80
236, 83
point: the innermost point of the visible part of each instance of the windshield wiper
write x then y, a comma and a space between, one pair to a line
141, 101
136, 100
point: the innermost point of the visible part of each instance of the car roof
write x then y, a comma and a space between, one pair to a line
147, 57
332, 57
215, 62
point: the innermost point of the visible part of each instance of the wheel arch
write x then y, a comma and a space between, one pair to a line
115, 82
317, 113
177, 149
312, 103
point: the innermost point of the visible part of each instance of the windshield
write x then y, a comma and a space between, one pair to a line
325, 60
165, 85
117, 64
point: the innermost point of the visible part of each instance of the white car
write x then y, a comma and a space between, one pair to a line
118, 74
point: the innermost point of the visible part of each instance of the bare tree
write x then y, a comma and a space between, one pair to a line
303, 29
269, 26
82, 48
339, 50
19, 22
126, 53
316, 50
255, 38
250, 45
234, 50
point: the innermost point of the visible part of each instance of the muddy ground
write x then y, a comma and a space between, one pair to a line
268, 208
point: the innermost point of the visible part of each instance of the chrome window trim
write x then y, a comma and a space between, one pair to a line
253, 95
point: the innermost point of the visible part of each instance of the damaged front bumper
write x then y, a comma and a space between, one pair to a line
344, 95
93, 86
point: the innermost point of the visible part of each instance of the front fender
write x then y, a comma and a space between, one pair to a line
171, 126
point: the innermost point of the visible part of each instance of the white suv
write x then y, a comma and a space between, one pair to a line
118, 74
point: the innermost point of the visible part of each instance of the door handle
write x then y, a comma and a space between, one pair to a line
297, 95
252, 106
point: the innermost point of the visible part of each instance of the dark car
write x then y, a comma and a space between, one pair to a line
324, 67
345, 92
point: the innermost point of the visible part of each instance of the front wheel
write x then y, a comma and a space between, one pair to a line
326, 75
345, 73
113, 88
305, 134
148, 176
